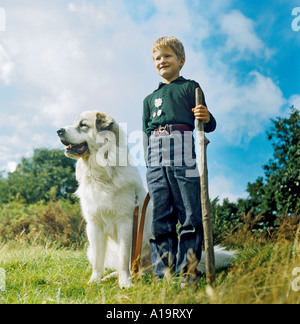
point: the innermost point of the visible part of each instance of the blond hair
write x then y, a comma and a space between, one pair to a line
172, 42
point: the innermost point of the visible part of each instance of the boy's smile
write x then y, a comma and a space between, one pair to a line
167, 64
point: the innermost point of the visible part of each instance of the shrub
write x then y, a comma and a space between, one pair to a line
55, 221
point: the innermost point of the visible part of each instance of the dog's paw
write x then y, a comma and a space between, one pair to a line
125, 282
95, 278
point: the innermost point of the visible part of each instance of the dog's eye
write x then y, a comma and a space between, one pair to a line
83, 125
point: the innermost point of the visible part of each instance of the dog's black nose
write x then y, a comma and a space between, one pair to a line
61, 132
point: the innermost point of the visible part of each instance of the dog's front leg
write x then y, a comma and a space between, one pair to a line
96, 251
124, 257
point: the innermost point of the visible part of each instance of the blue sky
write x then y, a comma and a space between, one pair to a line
59, 58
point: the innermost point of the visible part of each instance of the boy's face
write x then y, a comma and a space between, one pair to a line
167, 64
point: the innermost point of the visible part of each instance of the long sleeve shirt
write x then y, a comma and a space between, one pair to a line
172, 104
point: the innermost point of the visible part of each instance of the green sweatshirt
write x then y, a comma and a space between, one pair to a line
172, 104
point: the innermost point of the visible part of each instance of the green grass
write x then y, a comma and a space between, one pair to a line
47, 274
37, 274
42, 250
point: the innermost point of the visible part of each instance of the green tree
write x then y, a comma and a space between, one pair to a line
279, 191
282, 171
276, 192
36, 177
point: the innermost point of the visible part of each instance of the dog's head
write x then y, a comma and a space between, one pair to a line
80, 139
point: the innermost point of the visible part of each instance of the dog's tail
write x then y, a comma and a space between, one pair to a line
223, 258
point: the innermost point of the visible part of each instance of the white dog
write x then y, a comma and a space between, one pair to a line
109, 194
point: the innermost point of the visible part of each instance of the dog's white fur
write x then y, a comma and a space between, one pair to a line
109, 194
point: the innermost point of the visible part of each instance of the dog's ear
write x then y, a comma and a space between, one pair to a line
103, 122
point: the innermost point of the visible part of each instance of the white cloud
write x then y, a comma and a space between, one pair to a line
6, 66
251, 106
242, 108
223, 187
240, 33
85, 56
64, 57
295, 101
11, 166
74, 62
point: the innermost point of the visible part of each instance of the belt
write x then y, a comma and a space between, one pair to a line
169, 129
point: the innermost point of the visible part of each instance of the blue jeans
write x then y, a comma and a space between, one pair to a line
174, 187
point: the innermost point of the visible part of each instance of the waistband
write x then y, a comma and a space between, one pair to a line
169, 129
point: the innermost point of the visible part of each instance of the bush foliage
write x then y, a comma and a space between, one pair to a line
59, 222
35, 178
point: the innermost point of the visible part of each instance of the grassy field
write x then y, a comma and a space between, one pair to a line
46, 274
43, 257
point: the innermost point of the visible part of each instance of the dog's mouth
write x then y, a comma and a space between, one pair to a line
77, 150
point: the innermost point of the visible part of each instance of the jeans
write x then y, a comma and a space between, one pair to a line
174, 187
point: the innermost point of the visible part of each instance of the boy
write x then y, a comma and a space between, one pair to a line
172, 175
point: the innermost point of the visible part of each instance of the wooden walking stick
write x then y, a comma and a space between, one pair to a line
207, 228
137, 236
